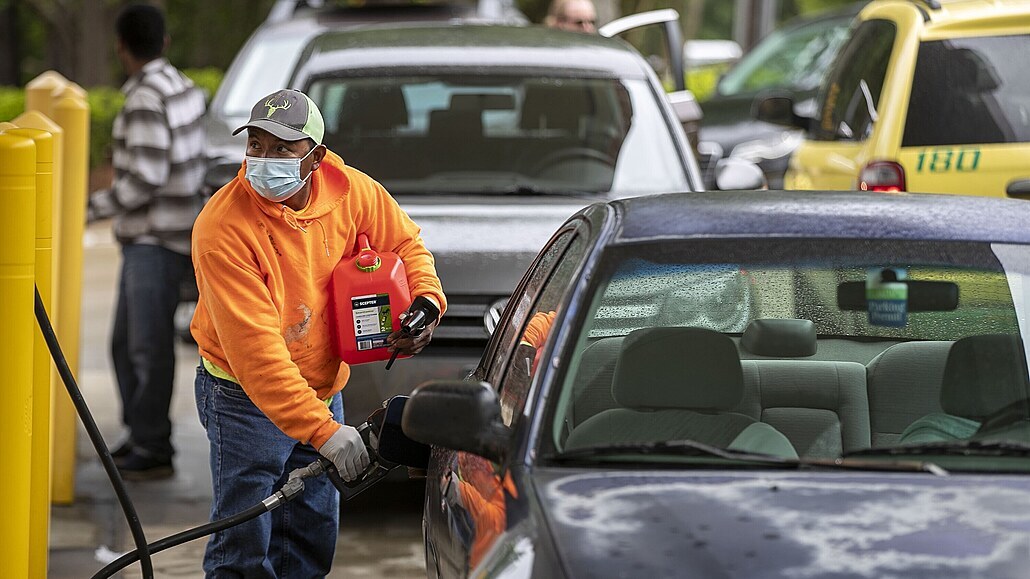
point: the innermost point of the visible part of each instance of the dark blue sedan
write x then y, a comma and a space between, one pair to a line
759, 384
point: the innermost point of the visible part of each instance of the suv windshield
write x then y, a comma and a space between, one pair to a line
465, 133
795, 59
266, 69
803, 349
979, 85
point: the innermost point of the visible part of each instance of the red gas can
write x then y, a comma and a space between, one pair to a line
368, 292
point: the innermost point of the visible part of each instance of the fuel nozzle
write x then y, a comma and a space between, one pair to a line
387, 448
414, 321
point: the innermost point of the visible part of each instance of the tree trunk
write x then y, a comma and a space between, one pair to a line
607, 10
94, 43
10, 47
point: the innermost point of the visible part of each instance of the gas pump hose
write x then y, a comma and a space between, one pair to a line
294, 484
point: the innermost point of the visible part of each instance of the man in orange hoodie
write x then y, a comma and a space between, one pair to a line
267, 390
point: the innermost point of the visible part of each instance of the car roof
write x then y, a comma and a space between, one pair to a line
823, 214
459, 46
944, 18
340, 15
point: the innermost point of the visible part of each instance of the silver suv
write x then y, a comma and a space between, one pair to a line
489, 137
269, 57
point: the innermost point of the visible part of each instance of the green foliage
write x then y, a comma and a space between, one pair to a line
702, 80
12, 102
207, 79
104, 104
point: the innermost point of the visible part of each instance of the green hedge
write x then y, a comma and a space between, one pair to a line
104, 104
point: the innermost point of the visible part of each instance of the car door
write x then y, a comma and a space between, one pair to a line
979, 84
473, 492
848, 129
656, 35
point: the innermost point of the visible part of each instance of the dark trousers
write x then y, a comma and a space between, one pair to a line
143, 342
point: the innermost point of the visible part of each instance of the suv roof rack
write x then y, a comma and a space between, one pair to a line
286, 9
932, 4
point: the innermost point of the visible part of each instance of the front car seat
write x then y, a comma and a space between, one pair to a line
675, 384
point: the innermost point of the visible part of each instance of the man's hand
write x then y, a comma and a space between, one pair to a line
347, 452
411, 345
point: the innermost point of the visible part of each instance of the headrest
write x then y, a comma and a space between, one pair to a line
555, 107
373, 108
678, 368
456, 123
780, 338
984, 374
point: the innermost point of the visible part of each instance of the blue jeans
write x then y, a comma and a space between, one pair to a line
143, 342
250, 459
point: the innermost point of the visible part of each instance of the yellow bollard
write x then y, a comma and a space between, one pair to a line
40, 91
70, 89
39, 478
37, 120
5, 125
72, 114
17, 260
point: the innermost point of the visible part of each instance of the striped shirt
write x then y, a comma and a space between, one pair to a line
159, 160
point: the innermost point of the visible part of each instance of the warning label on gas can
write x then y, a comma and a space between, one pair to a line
372, 320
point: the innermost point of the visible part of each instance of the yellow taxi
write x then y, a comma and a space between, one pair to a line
927, 97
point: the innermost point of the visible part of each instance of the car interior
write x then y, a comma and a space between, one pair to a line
556, 131
826, 408
827, 394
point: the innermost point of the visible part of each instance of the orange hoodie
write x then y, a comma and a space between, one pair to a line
263, 273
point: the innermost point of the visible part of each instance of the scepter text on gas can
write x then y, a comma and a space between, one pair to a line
368, 292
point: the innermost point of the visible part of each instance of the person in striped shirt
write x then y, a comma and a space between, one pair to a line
159, 164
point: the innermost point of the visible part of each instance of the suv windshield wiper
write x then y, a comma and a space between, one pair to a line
957, 447
533, 190
694, 448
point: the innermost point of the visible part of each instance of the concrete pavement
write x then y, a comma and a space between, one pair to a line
380, 530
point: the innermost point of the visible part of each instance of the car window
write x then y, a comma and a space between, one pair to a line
266, 68
879, 344
852, 91
795, 59
471, 133
535, 330
510, 361
970, 90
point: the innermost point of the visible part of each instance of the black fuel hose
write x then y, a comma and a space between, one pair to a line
180, 538
294, 484
95, 437
293, 487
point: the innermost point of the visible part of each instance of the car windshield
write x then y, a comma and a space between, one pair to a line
467, 133
979, 84
797, 349
795, 59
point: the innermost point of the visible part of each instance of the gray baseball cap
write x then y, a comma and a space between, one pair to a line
288, 114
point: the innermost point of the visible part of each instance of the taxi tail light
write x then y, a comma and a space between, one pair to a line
882, 176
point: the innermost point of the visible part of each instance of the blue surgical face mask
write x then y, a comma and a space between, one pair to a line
276, 179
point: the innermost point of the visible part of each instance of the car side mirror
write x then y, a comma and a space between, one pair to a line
778, 110
732, 173
218, 174
685, 106
688, 113
457, 415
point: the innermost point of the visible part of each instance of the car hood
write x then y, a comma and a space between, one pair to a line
849, 524
728, 120
484, 244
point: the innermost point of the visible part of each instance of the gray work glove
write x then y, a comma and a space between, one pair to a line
347, 452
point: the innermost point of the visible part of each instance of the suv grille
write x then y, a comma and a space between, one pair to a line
463, 326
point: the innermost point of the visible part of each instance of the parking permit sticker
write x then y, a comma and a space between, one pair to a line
886, 297
372, 320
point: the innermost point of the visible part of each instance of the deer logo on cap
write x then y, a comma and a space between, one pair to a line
272, 106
